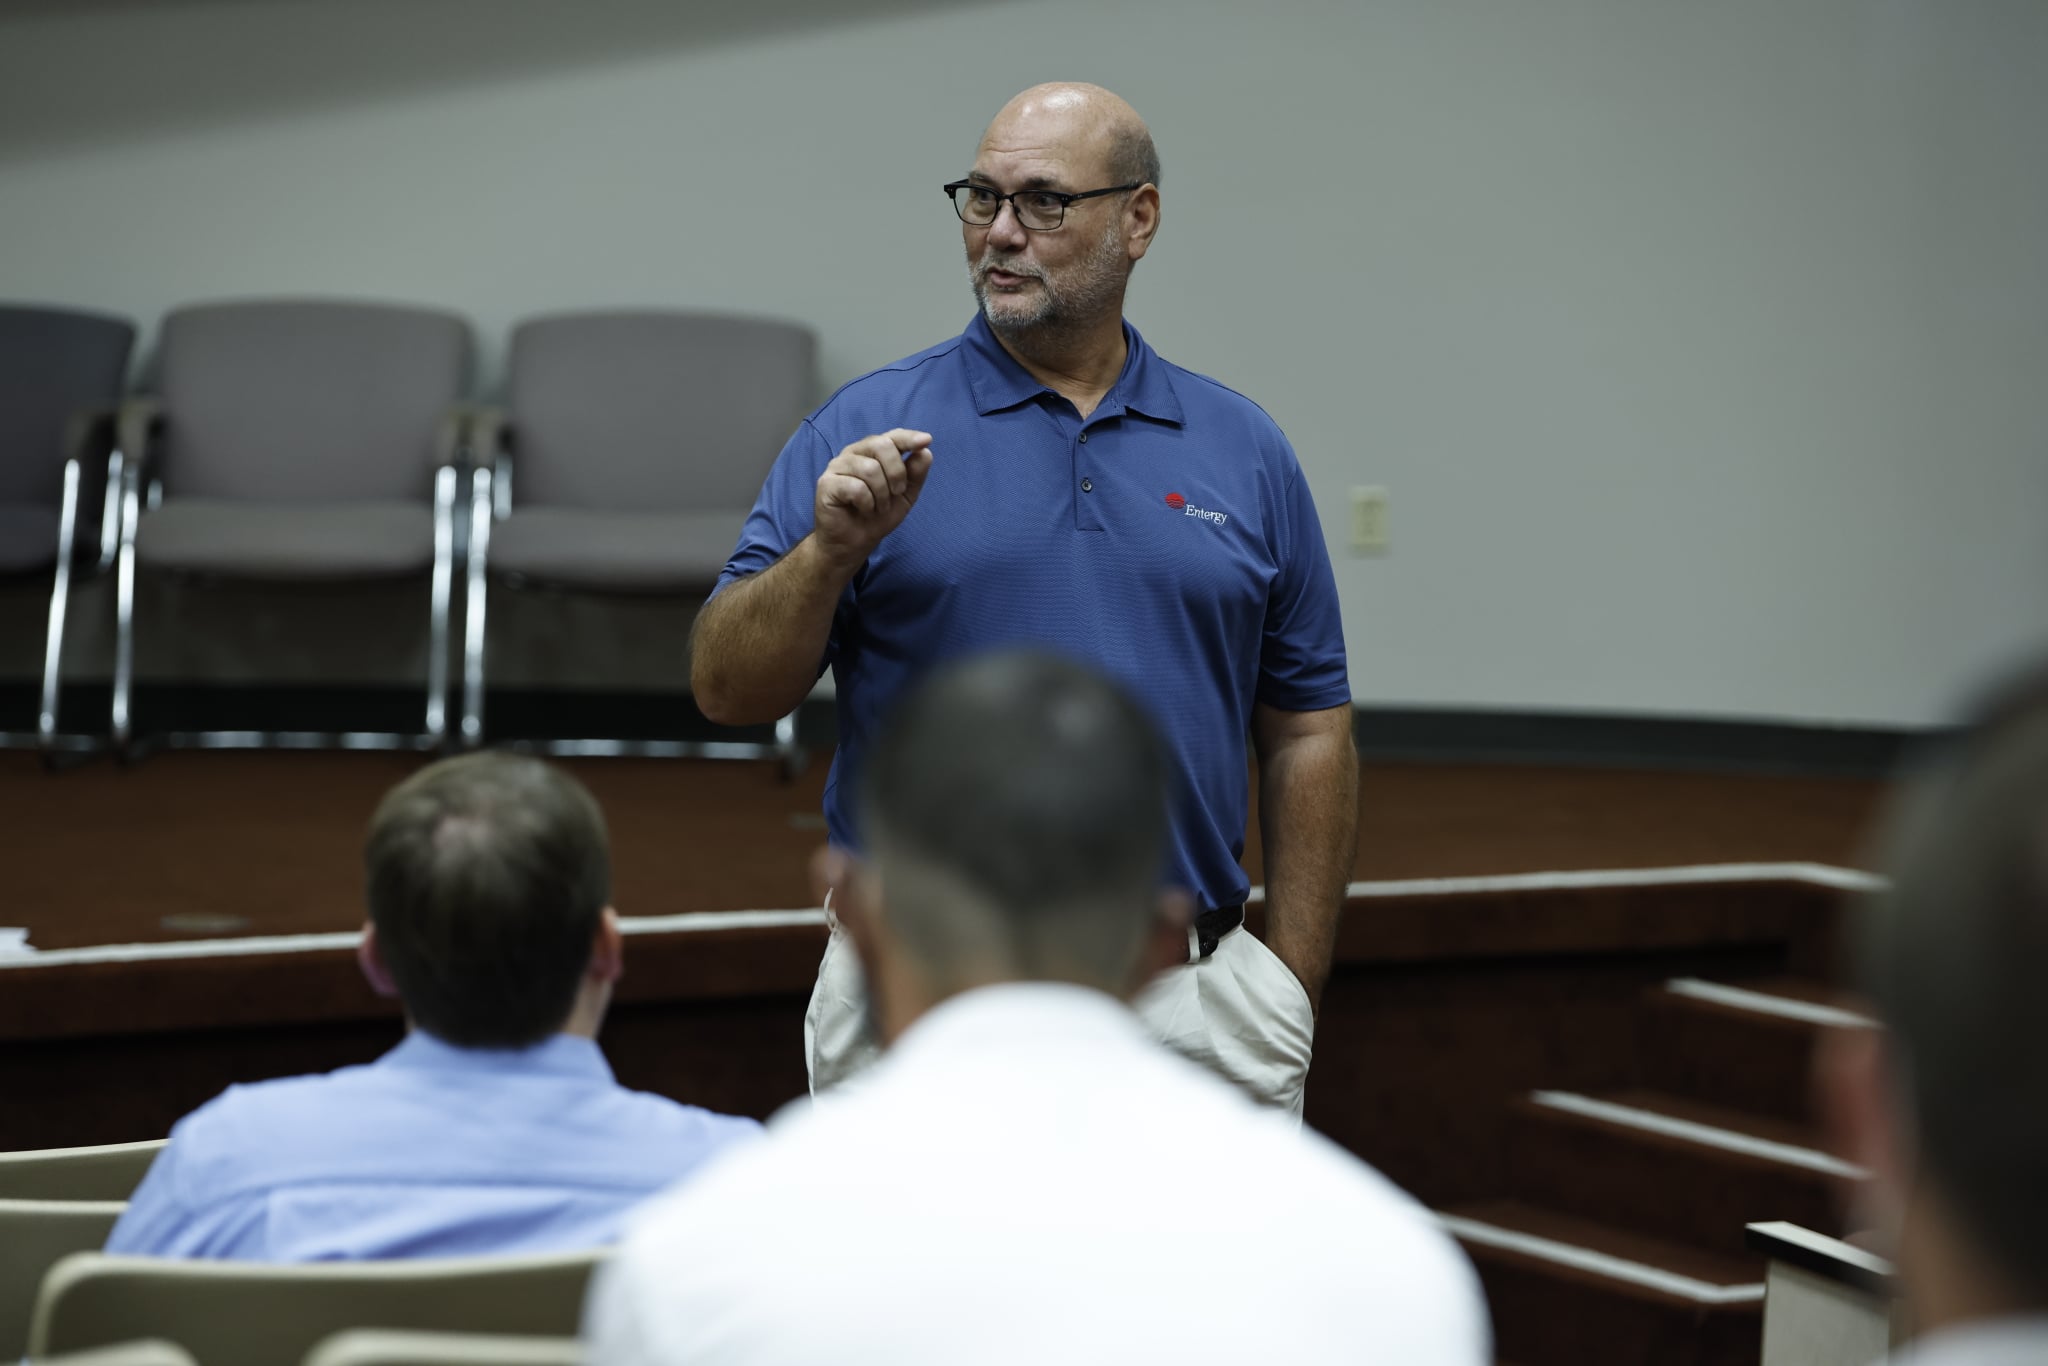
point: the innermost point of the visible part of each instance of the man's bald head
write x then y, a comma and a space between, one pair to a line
1080, 119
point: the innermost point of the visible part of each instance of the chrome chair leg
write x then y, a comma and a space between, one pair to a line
437, 626
121, 725
473, 609
60, 603
792, 757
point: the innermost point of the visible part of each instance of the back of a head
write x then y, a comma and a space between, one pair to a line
1955, 957
487, 877
1016, 806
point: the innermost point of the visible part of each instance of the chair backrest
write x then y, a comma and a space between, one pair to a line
110, 1171
54, 363
654, 411
307, 401
146, 1352
383, 1347
247, 1314
34, 1236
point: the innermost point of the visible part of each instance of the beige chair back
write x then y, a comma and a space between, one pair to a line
146, 1352
249, 1314
34, 1236
383, 1347
110, 1171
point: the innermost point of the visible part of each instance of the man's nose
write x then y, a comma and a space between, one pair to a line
1007, 231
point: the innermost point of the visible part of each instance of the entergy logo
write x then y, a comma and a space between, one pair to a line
1184, 507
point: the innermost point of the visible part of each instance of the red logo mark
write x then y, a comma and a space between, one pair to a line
1175, 501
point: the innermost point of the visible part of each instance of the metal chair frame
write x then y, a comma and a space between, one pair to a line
47, 737
138, 488
490, 501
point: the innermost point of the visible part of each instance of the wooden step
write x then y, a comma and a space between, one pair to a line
1571, 1292
1746, 1046
1673, 1168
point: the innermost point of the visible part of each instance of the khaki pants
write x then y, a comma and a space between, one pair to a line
1240, 1012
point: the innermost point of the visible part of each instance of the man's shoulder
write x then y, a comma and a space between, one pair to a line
1210, 397
660, 1116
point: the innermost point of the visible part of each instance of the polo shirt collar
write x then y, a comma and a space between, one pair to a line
560, 1055
999, 382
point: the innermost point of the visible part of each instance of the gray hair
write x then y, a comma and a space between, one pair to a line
1016, 807
1955, 957
1132, 157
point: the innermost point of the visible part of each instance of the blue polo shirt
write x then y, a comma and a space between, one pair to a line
1169, 540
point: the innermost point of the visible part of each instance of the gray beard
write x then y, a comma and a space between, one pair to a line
1096, 291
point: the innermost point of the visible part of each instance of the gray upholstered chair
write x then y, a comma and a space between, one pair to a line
106, 1171
382, 1347
630, 449
61, 377
142, 1352
307, 442
251, 1314
34, 1236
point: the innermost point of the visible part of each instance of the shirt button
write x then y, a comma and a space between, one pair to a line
1087, 486
1084, 436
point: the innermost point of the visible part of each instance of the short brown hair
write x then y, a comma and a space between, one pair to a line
1954, 954
486, 877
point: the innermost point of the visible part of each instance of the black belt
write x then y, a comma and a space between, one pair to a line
1209, 929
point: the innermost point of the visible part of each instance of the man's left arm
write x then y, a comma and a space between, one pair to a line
1308, 825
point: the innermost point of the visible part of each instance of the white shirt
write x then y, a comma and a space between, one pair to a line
1027, 1178
1992, 1342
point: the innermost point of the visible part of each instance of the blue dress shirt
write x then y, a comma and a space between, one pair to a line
431, 1151
1168, 540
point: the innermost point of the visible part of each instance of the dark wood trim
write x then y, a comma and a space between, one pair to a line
1399, 734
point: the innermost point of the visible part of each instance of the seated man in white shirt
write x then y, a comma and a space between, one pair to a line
1947, 1104
496, 1126
1026, 1176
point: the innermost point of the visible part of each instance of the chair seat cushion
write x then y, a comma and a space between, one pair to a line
618, 552
256, 540
28, 537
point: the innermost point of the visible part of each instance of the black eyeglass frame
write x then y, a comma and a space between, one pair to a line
1067, 201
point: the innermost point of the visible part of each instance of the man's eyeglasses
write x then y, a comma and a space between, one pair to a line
1038, 210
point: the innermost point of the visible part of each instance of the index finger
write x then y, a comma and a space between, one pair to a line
908, 439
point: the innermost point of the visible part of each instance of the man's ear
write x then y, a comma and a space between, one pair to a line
370, 957
1141, 221
1166, 937
607, 949
1860, 1107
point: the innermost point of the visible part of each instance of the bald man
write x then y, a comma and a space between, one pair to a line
1046, 479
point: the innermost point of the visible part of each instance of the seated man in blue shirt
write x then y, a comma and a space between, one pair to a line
496, 1126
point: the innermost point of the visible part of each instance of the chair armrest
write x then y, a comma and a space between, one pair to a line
89, 440
129, 466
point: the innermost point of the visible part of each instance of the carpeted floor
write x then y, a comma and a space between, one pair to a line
198, 844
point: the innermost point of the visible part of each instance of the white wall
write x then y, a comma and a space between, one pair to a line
1702, 346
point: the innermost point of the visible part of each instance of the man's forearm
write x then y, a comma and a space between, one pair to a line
1308, 824
755, 648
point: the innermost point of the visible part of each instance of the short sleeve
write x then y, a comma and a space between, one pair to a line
1302, 665
785, 512
783, 515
